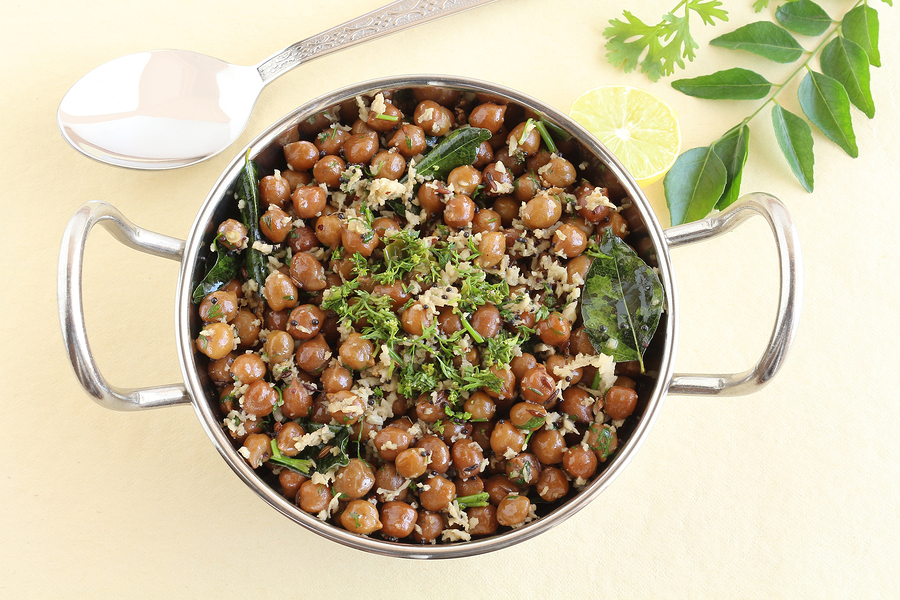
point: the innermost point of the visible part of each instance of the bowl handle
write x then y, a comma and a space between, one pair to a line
790, 295
71, 313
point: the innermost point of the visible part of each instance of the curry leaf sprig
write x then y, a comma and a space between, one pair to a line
707, 178
658, 49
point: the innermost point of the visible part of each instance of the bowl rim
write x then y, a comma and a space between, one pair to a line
211, 422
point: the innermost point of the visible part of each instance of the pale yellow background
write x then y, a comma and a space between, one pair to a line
790, 493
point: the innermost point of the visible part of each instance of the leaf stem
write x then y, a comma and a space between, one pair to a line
805, 65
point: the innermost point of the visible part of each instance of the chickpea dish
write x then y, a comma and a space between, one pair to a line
394, 326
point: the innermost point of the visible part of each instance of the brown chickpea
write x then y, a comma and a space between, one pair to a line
552, 484
258, 444
394, 485
345, 407
313, 355
602, 439
331, 140
430, 406
357, 352
313, 497
219, 371
580, 343
484, 155
259, 399
480, 406
336, 379
232, 234
467, 457
219, 307
548, 445
459, 211
579, 462
557, 361
309, 201
542, 211
507, 437
619, 402
537, 385
441, 95
535, 162
492, 247
488, 116
433, 118
451, 430
508, 209
448, 321
469, 487
499, 487
498, 140
279, 347
360, 517
328, 230
307, 272
487, 220
513, 510
616, 223
280, 291
398, 519
440, 493
528, 143
558, 172
290, 482
359, 148
513, 164
472, 357
569, 241
302, 239
507, 384
578, 266
301, 156
577, 403
328, 170
286, 439
387, 164
554, 330
498, 180
247, 326
397, 292
437, 451
465, 179
409, 140
523, 413
305, 322
354, 241
523, 469
273, 191
432, 196
412, 462
385, 227
415, 319
526, 187
216, 340
297, 400
297, 178
354, 480
391, 441
275, 224
428, 527
384, 121
522, 364
484, 519
486, 320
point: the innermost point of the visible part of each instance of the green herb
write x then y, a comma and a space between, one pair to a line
545, 135
248, 191
604, 440
845, 54
533, 423
458, 148
294, 464
384, 117
658, 49
621, 302
338, 456
474, 500
223, 270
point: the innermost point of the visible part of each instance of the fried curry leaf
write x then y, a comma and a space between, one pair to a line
455, 150
247, 189
621, 302
223, 271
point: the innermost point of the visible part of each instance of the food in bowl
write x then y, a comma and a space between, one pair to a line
398, 322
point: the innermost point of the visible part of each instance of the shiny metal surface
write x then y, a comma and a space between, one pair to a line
582, 147
71, 311
165, 109
790, 264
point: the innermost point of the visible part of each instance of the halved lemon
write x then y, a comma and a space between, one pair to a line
641, 130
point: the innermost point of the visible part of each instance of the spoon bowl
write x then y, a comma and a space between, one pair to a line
166, 109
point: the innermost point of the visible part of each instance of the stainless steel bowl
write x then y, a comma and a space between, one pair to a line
193, 255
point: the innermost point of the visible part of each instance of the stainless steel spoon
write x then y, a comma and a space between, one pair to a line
173, 108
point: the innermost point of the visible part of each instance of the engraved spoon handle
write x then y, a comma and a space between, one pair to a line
378, 23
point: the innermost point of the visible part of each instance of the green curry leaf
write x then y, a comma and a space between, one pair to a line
455, 150
621, 302
223, 271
